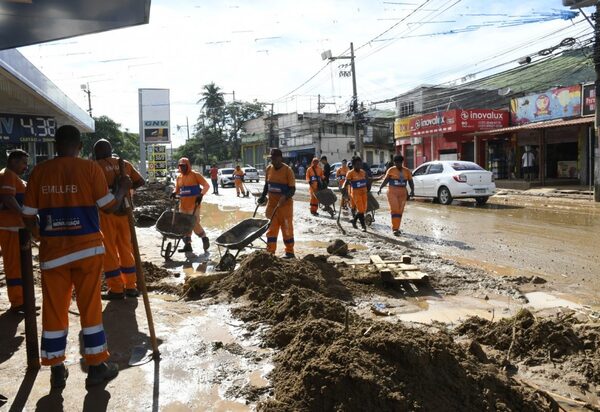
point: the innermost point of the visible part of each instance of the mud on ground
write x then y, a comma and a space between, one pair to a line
150, 201
331, 359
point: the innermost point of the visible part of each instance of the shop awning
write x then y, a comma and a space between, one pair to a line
26, 22
536, 125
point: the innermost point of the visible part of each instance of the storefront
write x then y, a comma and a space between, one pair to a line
548, 125
444, 135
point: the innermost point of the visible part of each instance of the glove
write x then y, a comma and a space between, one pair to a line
173, 195
262, 200
199, 199
379, 192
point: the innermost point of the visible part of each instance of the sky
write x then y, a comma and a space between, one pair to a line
265, 49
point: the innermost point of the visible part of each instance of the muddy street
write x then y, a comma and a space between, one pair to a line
329, 332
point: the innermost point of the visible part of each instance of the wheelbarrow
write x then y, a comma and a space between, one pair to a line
327, 200
174, 226
372, 206
239, 237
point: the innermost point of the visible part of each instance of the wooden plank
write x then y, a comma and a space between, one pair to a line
403, 267
406, 259
384, 271
364, 262
412, 276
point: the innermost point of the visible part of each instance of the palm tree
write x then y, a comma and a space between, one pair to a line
213, 104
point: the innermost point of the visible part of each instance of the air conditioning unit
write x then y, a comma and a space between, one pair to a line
416, 140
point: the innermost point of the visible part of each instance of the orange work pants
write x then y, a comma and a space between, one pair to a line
11, 257
119, 263
314, 202
350, 199
397, 199
283, 220
359, 199
239, 188
57, 286
198, 229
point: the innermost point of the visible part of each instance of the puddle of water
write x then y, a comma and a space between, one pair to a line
215, 216
456, 309
542, 300
490, 267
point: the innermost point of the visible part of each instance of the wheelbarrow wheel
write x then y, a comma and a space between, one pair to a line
369, 219
168, 253
227, 262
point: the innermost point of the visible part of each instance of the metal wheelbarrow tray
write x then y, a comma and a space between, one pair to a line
372, 206
176, 228
327, 199
238, 237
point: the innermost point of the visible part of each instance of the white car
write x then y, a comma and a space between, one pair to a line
225, 177
251, 174
453, 179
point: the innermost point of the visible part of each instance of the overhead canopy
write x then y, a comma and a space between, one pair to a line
536, 125
26, 22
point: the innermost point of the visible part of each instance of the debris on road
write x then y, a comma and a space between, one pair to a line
338, 247
150, 201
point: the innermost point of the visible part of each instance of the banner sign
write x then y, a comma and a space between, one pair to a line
19, 128
402, 128
155, 115
557, 103
588, 107
453, 121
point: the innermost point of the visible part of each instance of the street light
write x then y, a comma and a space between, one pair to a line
86, 89
187, 127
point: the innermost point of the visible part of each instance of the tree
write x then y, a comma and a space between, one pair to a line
125, 144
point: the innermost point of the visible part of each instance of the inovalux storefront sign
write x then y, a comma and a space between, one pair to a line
453, 121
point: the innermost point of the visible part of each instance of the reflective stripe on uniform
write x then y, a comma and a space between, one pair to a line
11, 229
357, 184
104, 200
130, 269
30, 211
54, 343
69, 221
112, 273
71, 257
189, 191
94, 340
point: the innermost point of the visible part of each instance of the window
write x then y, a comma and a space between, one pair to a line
407, 109
465, 166
345, 130
435, 168
421, 170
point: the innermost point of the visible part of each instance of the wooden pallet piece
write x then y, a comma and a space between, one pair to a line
384, 271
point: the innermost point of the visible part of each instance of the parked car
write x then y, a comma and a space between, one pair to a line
453, 179
332, 177
251, 174
225, 177
378, 170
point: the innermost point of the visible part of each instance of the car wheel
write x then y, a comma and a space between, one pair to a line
482, 200
222, 185
444, 195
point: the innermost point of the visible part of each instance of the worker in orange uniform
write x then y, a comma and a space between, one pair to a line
191, 186
119, 263
66, 192
398, 177
314, 177
280, 187
340, 175
357, 180
238, 180
12, 191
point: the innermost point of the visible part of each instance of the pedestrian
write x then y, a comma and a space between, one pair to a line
191, 187
528, 161
358, 181
326, 171
340, 174
301, 170
238, 180
314, 177
119, 264
12, 191
398, 177
66, 193
280, 187
214, 173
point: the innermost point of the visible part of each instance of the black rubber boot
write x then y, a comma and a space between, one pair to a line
354, 222
186, 248
205, 243
99, 374
110, 295
132, 293
58, 376
361, 218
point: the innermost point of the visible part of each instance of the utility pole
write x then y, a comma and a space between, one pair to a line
597, 92
327, 56
86, 89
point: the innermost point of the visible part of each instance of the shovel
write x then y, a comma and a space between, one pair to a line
140, 354
340, 212
246, 191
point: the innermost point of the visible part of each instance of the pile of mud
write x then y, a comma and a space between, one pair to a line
536, 341
150, 201
155, 277
331, 359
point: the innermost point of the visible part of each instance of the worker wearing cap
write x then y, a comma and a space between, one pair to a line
280, 187
340, 175
65, 193
398, 177
12, 191
191, 186
119, 263
238, 180
314, 177
357, 179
